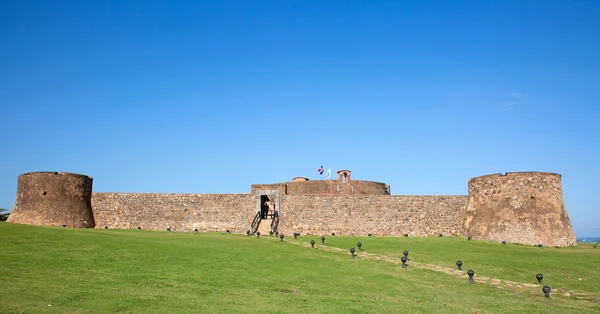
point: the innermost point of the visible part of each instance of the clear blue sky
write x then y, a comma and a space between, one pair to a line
212, 96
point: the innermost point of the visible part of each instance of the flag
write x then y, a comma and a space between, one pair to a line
329, 173
320, 170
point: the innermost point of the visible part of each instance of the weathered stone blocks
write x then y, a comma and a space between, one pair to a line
521, 207
376, 214
53, 199
180, 212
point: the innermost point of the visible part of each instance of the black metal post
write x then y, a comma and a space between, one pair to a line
471, 273
546, 290
539, 277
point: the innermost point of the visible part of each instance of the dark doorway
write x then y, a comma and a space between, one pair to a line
264, 206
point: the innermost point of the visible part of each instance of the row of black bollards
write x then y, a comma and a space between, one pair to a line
471, 273
404, 259
352, 250
545, 289
169, 229
281, 236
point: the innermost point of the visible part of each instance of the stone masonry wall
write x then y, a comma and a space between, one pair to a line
518, 207
336, 187
326, 187
523, 207
380, 215
53, 199
181, 212
281, 187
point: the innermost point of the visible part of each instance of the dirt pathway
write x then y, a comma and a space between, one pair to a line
500, 283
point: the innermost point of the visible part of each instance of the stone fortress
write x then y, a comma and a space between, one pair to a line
517, 207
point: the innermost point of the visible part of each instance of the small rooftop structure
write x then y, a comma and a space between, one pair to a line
344, 176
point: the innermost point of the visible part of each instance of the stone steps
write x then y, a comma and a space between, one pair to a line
265, 227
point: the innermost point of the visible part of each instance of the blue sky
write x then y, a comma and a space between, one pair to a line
212, 96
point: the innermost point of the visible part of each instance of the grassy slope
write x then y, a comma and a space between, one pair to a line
561, 267
150, 272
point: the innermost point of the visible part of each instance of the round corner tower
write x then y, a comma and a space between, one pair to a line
53, 199
518, 207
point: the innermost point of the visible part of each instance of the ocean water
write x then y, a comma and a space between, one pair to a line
588, 239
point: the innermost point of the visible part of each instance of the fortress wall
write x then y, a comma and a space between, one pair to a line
522, 207
182, 212
326, 187
53, 199
336, 187
380, 215
281, 187
518, 207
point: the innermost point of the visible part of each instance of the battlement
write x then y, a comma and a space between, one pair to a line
517, 174
36, 173
344, 185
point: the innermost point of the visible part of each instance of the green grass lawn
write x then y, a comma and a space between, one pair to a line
130, 271
561, 267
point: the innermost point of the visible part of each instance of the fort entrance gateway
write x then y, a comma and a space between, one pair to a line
267, 208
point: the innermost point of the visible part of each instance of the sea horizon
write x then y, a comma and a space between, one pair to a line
588, 239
